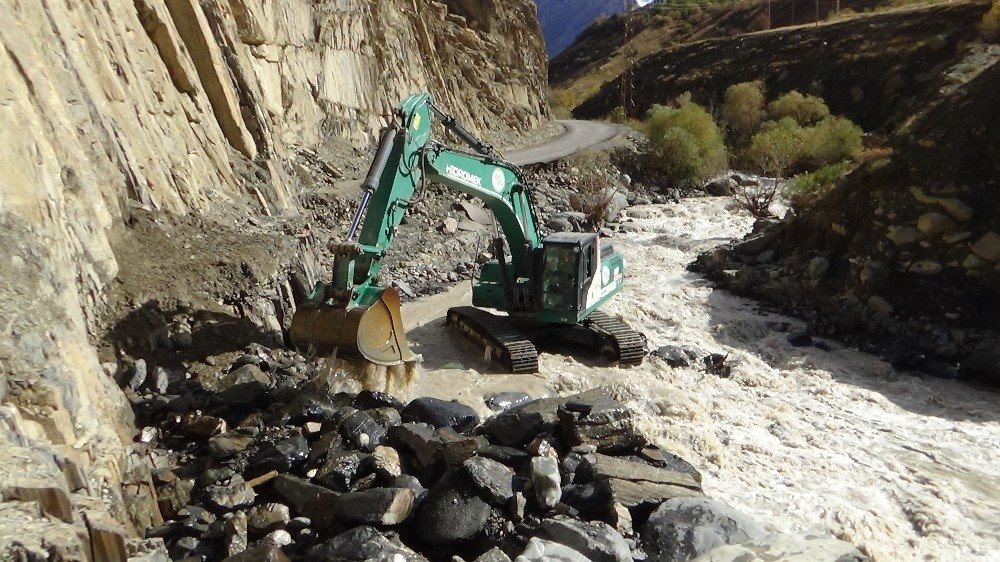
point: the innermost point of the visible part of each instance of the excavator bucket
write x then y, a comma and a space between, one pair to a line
374, 332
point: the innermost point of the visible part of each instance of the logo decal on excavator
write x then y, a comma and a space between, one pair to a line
464, 176
499, 181
416, 121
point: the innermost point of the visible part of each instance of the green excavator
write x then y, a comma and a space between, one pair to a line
550, 289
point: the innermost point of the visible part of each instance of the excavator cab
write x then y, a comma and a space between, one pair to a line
572, 278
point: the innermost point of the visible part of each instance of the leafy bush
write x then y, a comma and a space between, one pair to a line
805, 189
990, 25
778, 147
832, 140
743, 107
618, 115
685, 144
804, 109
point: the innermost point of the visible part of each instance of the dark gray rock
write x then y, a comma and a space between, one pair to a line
506, 400
307, 499
386, 417
495, 480
519, 425
370, 399
360, 431
684, 528
411, 482
514, 458
457, 448
441, 413
453, 512
342, 468
264, 552
673, 355
801, 338
715, 364
309, 407
361, 544
328, 442
596, 540
419, 443
594, 418
235, 493
592, 500
983, 362
378, 506
280, 455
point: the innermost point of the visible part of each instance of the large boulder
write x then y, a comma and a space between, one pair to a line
453, 511
595, 539
786, 548
684, 528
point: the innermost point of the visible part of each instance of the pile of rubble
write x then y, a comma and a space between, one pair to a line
272, 462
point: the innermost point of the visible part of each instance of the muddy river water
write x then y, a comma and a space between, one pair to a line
804, 440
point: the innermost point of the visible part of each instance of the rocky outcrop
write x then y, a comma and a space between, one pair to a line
189, 107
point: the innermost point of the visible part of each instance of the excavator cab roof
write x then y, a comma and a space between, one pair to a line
570, 238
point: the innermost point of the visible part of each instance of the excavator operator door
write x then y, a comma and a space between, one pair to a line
568, 266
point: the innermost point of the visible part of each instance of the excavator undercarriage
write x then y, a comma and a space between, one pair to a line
514, 342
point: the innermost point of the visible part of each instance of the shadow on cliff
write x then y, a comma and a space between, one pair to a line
175, 337
751, 326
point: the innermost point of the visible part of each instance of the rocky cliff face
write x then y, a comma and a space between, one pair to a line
187, 107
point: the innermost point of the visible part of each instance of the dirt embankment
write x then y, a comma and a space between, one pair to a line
876, 69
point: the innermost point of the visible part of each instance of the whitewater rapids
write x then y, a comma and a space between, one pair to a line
803, 440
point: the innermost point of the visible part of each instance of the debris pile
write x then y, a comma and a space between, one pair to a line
275, 463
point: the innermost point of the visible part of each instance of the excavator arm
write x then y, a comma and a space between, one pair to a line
352, 312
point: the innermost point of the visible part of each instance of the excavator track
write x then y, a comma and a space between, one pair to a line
498, 336
621, 343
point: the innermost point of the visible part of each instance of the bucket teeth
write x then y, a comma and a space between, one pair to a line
374, 332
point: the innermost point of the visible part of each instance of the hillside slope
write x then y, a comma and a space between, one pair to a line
913, 246
563, 20
114, 111
877, 69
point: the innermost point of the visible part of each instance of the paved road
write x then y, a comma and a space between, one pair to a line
580, 135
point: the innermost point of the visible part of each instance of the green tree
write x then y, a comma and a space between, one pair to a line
804, 109
743, 108
685, 144
832, 140
777, 147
